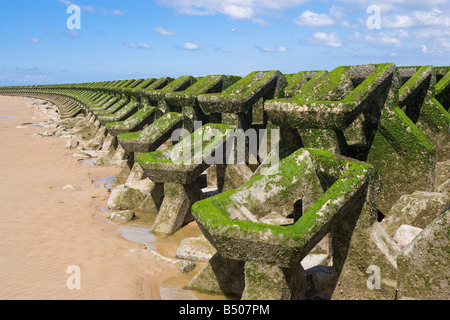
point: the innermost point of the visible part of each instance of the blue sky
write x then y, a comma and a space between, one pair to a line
154, 38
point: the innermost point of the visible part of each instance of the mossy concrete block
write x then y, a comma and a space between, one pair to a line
175, 211
186, 101
416, 99
220, 275
403, 156
354, 110
120, 115
269, 282
153, 201
444, 188
442, 172
417, 209
121, 216
241, 96
153, 136
180, 84
323, 139
112, 109
135, 174
109, 142
129, 197
443, 86
423, 272
188, 159
203, 85
136, 122
298, 80
334, 100
230, 220
236, 175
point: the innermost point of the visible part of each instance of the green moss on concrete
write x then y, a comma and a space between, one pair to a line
213, 216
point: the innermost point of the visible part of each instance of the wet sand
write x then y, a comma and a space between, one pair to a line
44, 229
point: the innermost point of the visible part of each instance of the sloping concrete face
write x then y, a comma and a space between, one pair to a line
153, 136
359, 154
417, 100
423, 272
138, 121
184, 162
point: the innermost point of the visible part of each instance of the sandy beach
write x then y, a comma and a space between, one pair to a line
45, 229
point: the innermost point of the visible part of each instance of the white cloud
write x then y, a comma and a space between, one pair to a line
417, 18
243, 9
29, 39
237, 12
92, 9
397, 21
337, 12
190, 46
387, 38
260, 21
165, 32
221, 49
140, 45
279, 49
312, 19
143, 45
324, 39
346, 24
394, 5
72, 33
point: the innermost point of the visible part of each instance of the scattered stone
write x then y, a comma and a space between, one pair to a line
313, 260
72, 144
196, 249
46, 134
70, 187
130, 197
121, 216
183, 265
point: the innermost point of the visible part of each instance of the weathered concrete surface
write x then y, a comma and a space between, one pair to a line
405, 234
423, 271
417, 209
175, 209
130, 196
195, 249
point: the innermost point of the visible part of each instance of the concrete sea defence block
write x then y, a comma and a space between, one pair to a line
153, 136
230, 220
136, 122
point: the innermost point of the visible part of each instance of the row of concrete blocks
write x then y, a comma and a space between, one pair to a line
354, 111
396, 119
